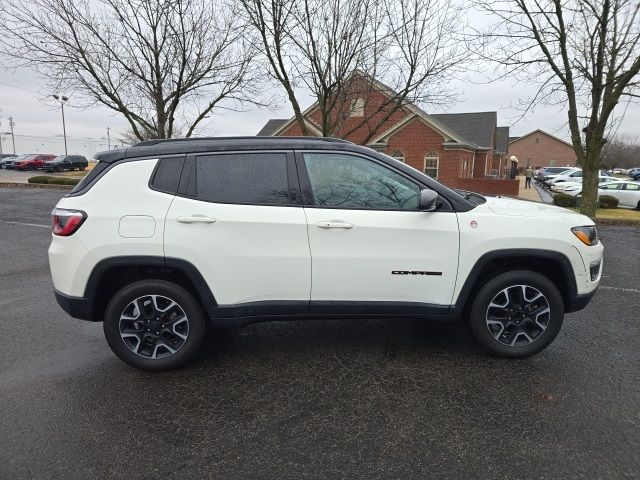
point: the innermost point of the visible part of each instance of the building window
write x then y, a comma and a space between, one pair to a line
537, 140
431, 164
398, 155
357, 108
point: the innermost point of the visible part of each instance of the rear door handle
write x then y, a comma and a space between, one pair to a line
196, 219
328, 225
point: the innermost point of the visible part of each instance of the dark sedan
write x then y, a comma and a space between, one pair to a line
66, 162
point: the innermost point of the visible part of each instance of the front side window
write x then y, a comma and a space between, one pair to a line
632, 186
243, 178
431, 164
351, 182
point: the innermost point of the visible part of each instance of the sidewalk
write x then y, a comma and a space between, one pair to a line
528, 193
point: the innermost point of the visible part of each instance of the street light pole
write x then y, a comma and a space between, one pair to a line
108, 139
62, 99
13, 138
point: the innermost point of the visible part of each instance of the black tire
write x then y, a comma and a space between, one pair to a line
82, 169
185, 301
493, 342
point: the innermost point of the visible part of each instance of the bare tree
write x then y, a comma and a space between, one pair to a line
621, 151
584, 54
162, 64
344, 50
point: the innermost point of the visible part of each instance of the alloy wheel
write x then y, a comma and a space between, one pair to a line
154, 326
518, 315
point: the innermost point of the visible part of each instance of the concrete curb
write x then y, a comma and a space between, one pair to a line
35, 185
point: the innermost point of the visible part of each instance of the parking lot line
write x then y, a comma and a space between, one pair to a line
619, 289
26, 224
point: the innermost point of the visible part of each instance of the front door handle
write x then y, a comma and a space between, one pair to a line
328, 225
196, 219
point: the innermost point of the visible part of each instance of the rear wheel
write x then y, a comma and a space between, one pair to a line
516, 314
154, 325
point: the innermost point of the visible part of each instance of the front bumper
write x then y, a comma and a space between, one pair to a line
77, 307
577, 302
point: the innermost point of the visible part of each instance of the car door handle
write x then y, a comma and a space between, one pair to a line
196, 219
328, 225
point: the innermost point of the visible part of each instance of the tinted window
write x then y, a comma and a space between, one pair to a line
86, 181
167, 174
244, 178
346, 181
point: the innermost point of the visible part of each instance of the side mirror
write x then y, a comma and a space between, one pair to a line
428, 200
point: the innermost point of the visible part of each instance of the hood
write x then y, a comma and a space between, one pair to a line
522, 208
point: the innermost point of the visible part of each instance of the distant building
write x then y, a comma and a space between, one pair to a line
461, 150
541, 149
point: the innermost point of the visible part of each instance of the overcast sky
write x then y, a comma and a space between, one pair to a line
37, 120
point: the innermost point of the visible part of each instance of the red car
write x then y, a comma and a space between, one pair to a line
33, 162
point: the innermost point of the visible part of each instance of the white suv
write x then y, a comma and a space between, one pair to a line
167, 237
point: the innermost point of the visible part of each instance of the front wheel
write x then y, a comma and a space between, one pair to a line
516, 314
154, 325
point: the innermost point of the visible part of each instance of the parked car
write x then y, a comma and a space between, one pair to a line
66, 162
633, 172
540, 173
624, 190
550, 176
166, 236
10, 162
636, 176
627, 193
6, 159
33, 162
576, 186
559, 183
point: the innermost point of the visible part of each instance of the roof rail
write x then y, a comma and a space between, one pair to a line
146, 143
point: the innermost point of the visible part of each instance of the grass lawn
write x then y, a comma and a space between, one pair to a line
624, 216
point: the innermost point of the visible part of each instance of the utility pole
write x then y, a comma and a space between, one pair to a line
13, 138
108, 139
62, 99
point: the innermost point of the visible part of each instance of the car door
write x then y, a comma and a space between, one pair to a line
369, 243
612, 189
238, 219
630, 194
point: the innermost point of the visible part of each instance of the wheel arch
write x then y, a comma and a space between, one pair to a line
553, 265
112, 274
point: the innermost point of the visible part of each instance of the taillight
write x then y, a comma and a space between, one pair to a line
66, 222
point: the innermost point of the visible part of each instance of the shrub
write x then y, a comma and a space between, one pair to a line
607, 201
39, 179
63, 181
564, 200
48, 180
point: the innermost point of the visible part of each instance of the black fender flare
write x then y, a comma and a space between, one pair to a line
519, 253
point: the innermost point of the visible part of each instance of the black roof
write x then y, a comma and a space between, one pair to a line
502, 139
271, 126
474, 127
172, 146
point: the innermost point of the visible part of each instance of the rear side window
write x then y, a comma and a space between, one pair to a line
166, 176
243, 178
88, 179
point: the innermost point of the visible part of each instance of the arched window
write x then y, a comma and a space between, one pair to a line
398, 155
357, 107
431, 164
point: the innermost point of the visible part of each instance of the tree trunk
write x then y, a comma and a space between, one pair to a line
589, 202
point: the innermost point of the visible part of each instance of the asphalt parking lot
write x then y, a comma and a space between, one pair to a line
312, 399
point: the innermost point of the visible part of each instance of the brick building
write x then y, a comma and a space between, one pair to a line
461, 150
541, 149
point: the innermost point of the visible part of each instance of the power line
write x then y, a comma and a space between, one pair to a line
19, 88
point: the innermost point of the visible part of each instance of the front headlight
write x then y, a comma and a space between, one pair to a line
587, 235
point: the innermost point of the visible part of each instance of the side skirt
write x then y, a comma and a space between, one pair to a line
247, 313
